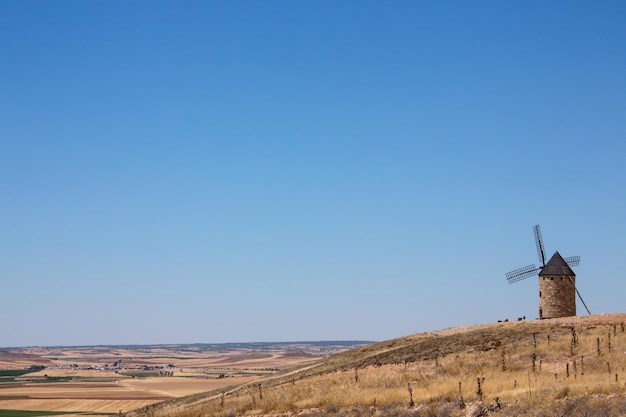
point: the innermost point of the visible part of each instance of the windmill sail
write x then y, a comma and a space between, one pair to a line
541, 253
572, 260
522, 273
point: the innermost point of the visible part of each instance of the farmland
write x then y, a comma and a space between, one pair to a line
113, 379
571, 366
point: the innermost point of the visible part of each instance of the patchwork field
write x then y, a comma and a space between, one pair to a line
110, 380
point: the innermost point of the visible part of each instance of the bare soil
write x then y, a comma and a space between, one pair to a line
110, 380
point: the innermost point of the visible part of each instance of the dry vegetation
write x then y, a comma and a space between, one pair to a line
573, 366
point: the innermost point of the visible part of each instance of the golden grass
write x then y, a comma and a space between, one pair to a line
487, 366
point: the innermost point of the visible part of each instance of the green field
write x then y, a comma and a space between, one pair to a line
140, 374
9, 375
15, 372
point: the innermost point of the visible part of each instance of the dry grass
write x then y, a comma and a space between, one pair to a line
441, 372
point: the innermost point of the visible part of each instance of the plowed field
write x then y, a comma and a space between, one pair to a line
110, 380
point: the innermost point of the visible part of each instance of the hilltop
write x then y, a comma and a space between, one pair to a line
568, 366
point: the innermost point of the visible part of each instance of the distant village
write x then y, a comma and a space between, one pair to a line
117, 368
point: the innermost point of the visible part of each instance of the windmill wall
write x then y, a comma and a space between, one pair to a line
557, 296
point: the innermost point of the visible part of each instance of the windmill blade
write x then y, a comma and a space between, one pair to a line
572, 261
521, 273
539, 242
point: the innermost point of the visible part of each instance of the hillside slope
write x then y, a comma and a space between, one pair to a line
569, 366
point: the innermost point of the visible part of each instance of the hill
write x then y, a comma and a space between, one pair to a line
573, 366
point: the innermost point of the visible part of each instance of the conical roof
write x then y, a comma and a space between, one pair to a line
556, 266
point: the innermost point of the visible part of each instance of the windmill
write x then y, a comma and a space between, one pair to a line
557, 281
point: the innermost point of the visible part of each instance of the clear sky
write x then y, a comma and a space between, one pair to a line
238, 171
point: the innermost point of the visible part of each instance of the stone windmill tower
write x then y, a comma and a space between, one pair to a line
557, 282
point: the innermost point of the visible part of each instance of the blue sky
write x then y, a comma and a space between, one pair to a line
179, 172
